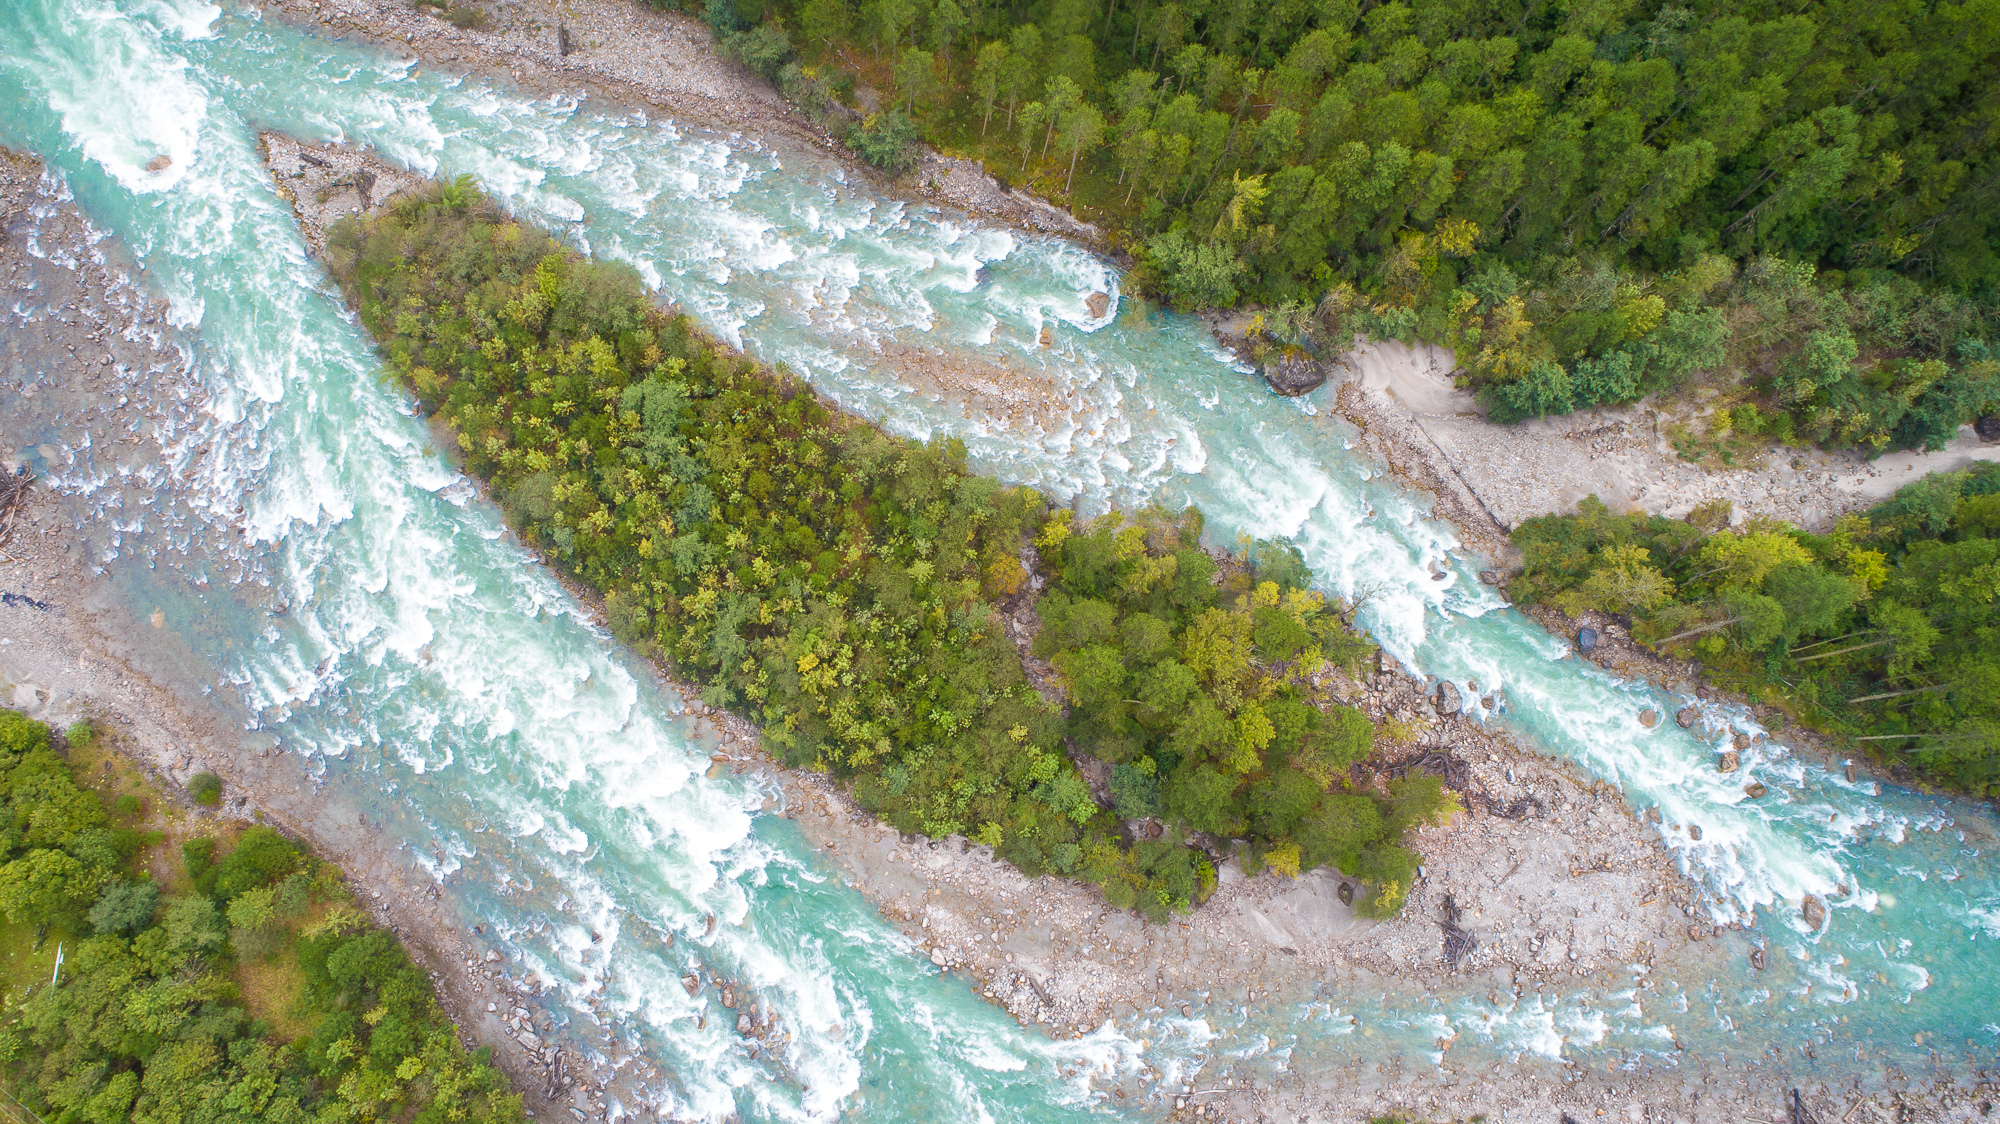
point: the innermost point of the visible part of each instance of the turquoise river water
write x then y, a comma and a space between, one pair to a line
435, 675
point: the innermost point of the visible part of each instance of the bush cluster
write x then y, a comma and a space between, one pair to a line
847, 590
144, 1022
1887, 628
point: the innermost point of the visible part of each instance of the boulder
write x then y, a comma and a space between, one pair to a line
1098, 303
1853, 773
1754, 790
1292, 372
1449, 701
1728, 762
692, 982
1694, 832
1685, 717
1988, 427
1741, 741
1758, 959
744, 1025
1814, 912
1586, 640
1649, 718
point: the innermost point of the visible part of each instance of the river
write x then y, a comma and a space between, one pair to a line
348, 595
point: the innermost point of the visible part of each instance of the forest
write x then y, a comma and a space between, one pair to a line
1589, 203
247, 987
852, 593
1884, 631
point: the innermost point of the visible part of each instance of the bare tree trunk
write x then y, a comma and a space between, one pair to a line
1698, 631
1817, 643
1849, 648
1900, 694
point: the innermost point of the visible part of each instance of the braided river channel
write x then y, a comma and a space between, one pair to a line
431, 672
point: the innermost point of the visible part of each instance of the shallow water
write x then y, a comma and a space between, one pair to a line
346, 593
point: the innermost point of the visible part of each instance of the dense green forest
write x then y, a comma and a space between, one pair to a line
1886, 630
1588, 202
252, 990
848, 590
1199, 694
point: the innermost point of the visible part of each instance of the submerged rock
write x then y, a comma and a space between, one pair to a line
1754, 790
1292, 372
1814, 912
1758, 959
1586, 640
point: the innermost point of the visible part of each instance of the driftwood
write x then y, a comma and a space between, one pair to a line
1458, 944
315, 161
1457, 777
13, 495
556, 1074
1800, 1113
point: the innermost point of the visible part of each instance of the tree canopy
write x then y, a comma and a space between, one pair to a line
1589, 204
1886, 629
145, 1023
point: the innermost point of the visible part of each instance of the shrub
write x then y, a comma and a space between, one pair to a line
887, 140
125, 908
764, 49
205, 788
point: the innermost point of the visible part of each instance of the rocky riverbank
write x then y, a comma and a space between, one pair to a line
634, 55
91, 363
1547, 887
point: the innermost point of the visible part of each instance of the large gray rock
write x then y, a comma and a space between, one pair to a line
1685, 716
1292, 373
1449, 700
1586, 640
